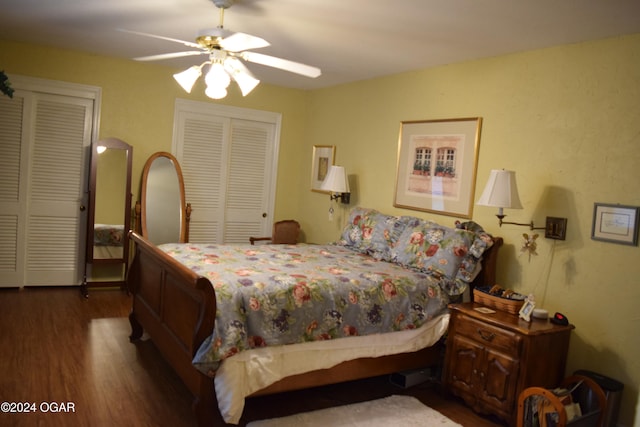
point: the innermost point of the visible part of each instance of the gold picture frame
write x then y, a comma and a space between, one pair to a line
323, 157
437, 165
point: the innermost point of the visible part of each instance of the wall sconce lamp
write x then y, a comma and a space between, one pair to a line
501, 191
337, 184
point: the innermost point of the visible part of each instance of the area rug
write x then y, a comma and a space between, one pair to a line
390, 411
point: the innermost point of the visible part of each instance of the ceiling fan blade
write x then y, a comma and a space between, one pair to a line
154, 36
169, 55
283, 64
241, 41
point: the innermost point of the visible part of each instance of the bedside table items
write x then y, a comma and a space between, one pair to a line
484, 310
527, 308
540, 313
560, 319
499, 298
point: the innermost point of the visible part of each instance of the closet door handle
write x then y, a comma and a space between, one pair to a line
264, 214
82, 208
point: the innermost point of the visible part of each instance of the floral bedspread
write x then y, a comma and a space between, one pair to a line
108, 235
270, 295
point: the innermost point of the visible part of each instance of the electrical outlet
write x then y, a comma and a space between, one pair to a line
555, 228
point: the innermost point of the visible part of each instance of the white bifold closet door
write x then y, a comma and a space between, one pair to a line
44, 146
228, 157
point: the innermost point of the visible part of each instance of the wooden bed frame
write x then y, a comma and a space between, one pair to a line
176, 308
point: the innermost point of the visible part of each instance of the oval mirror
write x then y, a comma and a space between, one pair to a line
162, 215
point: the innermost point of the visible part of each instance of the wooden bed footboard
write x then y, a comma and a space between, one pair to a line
176, 308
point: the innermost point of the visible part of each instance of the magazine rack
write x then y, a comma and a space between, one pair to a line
586, 392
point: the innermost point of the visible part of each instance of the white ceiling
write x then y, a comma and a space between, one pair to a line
349, 40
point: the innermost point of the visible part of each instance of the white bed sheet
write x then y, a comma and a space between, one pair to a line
247, 372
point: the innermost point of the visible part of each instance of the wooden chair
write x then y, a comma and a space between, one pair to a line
593, 414
284, 232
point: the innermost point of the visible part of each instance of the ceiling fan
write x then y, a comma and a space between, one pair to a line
227, 50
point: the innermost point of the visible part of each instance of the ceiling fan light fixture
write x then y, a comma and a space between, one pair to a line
217, 76
187, 78
215, 92
246, 83
241, 74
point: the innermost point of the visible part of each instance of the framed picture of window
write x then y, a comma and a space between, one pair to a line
437, 163
615, 223
323, 157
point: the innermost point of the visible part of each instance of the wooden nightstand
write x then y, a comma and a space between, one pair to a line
491, 358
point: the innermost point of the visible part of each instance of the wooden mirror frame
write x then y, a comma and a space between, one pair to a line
117, 144
119, 263
184, 208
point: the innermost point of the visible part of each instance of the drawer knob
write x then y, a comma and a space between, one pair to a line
487, 336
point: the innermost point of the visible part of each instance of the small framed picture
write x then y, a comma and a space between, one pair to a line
615, 223
323, 157
527, 309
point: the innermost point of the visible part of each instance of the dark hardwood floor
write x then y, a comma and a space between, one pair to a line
60, 351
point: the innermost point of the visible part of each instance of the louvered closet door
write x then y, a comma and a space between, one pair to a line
43, 228
229, 166
202, 153
57, 180
11, 210
248, 180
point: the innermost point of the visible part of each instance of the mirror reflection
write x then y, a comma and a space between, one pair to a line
163, 201
109, 202
111, 196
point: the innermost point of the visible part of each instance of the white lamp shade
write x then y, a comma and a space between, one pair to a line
188, 78
217, 76
243, 77
215, 92
336, 180
501, 190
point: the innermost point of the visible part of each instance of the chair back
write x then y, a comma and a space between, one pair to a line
286, 232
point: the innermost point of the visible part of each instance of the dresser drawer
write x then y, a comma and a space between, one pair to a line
494, 337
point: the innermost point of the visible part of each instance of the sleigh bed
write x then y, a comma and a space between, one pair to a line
179, 289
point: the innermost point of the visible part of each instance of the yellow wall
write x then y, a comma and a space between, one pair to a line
565, 118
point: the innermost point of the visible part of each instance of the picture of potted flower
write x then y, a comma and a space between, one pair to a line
445, 170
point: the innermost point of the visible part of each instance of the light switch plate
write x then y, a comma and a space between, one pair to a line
555, 228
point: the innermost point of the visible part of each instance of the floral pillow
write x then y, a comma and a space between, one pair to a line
470, 265
452, 254
433, 248
352, 233
371, 232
